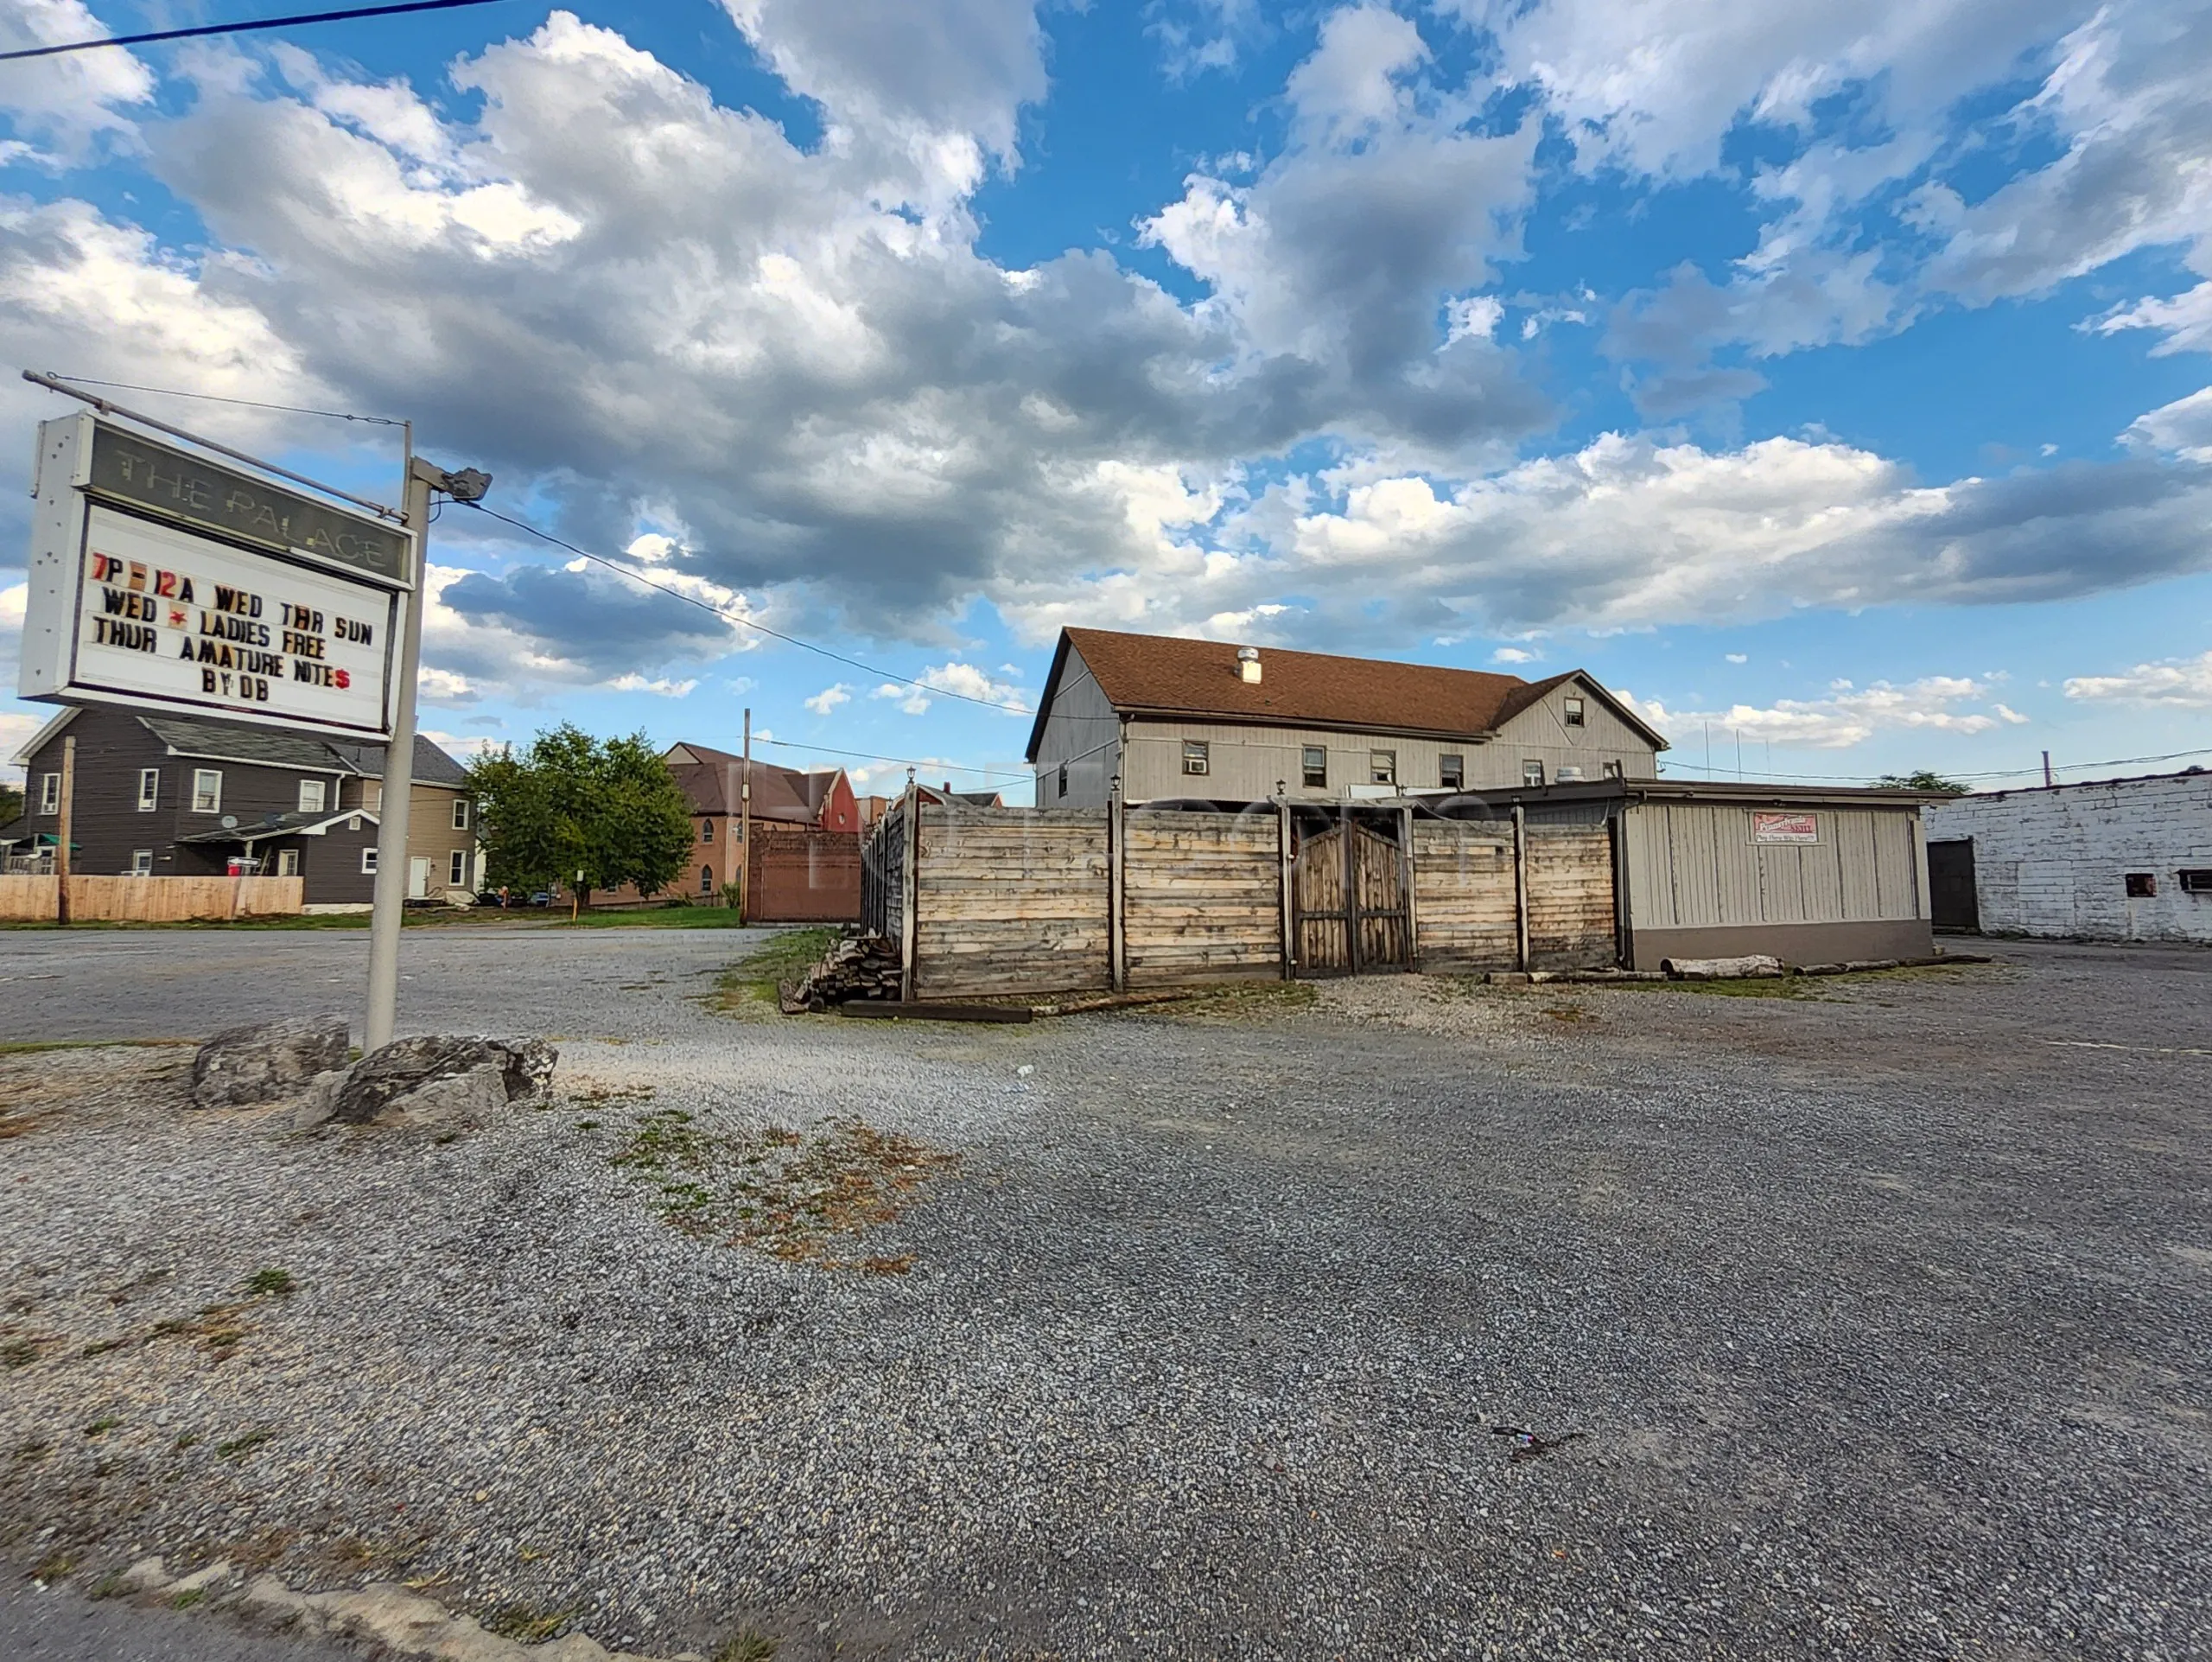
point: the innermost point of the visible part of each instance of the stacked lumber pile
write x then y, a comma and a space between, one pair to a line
858, 967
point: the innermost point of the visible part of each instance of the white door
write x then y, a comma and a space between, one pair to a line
418, 878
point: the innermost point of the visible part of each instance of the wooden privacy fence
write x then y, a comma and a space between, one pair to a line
151, 900
998, 900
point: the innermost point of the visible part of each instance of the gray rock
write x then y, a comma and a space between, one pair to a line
319, 1100
443, 1076
267, 1061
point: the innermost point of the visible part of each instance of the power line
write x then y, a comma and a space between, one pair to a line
292, 22
739, 617
1999, 772
251, 404
903, 761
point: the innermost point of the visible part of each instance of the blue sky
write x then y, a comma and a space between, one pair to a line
1832, 381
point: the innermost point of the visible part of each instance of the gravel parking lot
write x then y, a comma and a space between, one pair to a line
1881, 1318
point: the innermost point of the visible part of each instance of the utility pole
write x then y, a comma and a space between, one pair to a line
744, 829
2047, 781
68, 824
421, 479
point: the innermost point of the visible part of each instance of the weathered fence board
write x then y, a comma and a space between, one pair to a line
1009, 903
1463, 896
1571, 924
1202, 897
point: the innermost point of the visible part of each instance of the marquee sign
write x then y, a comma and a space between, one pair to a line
163, 582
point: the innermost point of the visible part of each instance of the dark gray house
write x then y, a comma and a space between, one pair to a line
169, 796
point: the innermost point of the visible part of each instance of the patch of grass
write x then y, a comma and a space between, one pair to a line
54, 1567
1767, 986
102, 1426
185, 1440
243, 1444
657, 917
1246, 1000
750, 1646
271, 1282
109, 1586
752, 981
190, 1597
778, 1192
527, 1625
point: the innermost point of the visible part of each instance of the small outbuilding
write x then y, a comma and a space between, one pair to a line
2115, 859
1715, 869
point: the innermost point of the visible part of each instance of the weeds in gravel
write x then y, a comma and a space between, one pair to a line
528, 1626
54, 1566
190, 1597
102, 1426
271, 1282
778, 1192
751, 982
750, 1646
243, 1444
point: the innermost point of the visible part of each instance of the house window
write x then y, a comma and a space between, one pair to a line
1532, 772
49, 793
457, 869
1381, 767
1574, 712
1450, 771
706, 880
1196, 757
1313, 766
1063, 778
149, 789
368, 863
206, 790
460, 813
706, 831
2197, 880
311, 793
142, 862
1611, 770
287, 862
2141, 886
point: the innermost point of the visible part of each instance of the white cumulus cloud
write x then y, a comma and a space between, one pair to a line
2173, 683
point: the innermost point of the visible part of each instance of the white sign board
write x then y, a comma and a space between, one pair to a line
161, 582
1785, 828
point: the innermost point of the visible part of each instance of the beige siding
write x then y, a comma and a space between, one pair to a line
1693, 865
1202, 896
430, 835
1083, 731
1539, 733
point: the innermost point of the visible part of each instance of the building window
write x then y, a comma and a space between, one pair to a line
1063, 778
2197, 880
706, 831
457, 869
1196, 757
311, 793
2141, 886
49, 793
1574, 712
1532, 772
1452, 771
206, 790
368, 863
1381, 767
460, 813
706, 880
142, 862
149, 789
1313, 766
287, 862
1611, 770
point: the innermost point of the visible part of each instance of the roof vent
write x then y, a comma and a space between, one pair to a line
1247, 664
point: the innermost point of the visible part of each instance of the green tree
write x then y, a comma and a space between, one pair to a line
1924, 779
11, 805
608, 808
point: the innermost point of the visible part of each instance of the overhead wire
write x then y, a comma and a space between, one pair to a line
247, 26
728, 616
249, 403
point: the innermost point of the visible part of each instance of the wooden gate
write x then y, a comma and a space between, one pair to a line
1348, 897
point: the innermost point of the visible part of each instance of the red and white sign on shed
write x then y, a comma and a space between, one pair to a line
1785, 828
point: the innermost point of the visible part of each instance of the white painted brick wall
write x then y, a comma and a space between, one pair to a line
2055, 862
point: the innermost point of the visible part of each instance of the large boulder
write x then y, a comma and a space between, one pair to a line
266, 1060
440, 1077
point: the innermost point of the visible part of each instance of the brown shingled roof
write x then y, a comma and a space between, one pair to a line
711, 781
1167, 675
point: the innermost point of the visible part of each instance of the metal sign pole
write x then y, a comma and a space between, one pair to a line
398, 769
